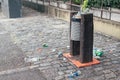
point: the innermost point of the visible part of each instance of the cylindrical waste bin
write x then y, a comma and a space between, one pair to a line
75, 36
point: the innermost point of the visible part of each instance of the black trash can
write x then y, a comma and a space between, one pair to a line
75, 36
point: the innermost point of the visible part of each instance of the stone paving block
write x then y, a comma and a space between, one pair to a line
45, 64
45, 68
59, 78
107, 63
66, 64
89, 67
112, 79
114, 70
106, 71
99, 73
110, 75
108, 66
55, 62
101, 77
99, 68
106, 60
115, 62
50, 74
47, 60
61, 73
70, 67
56, 65
118, 78
69, 71
62, 68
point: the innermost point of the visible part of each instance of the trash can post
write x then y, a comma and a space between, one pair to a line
75, 35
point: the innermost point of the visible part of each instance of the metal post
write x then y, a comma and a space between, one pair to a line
86, 38
101, 10
49, 2
110, 13
70, 16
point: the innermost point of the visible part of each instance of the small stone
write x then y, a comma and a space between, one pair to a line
110, 75
61, 73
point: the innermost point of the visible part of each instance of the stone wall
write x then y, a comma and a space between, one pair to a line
59, 13
39, 7
108, 27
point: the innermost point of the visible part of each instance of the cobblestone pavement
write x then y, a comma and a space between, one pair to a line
33, 74
30, 33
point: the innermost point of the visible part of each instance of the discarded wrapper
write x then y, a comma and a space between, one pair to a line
33, 59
